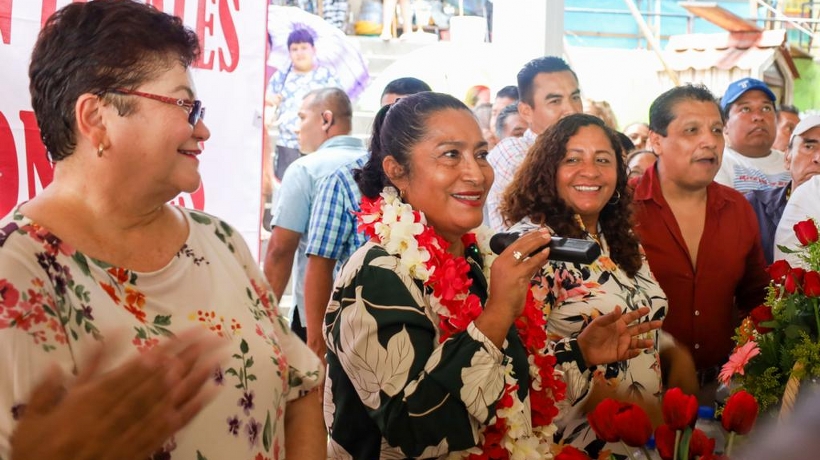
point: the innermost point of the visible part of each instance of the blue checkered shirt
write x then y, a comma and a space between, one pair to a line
332, 232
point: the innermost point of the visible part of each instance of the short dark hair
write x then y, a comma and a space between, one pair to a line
406, 86
396, 129
502, 116
510, 92
534, 194
334, 99
788, 109
92, 48
626, 143
300, 36
526, 77
661, 112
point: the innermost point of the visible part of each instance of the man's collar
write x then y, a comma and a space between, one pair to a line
342, 141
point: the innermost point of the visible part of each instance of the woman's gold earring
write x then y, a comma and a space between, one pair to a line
401, 194
100, 149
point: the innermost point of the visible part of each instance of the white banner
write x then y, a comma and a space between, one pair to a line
230, 81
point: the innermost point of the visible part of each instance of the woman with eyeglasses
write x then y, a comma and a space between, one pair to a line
131, 328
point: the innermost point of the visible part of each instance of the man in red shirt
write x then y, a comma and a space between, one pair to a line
701, 238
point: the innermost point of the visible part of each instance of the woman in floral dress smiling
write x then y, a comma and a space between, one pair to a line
574, 182
428, 354
99, 259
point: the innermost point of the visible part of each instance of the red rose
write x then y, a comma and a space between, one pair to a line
778, 270
806, 232
761, 314
794, 280
700, 444
571, 453
679, 410
811, 284
740, 413
602, 420
665, 442
632, 425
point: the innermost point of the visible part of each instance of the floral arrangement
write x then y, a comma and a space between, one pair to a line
404, 232
677, 438
777, 344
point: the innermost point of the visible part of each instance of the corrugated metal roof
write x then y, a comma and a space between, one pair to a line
725, 51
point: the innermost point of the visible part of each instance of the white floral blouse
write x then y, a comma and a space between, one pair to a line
55, 303
573, 295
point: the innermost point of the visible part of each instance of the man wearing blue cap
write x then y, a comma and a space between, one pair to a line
749, 162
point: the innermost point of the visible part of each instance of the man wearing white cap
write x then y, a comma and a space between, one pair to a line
749, 162
803, 161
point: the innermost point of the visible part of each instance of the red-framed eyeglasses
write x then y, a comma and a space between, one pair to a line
195, 110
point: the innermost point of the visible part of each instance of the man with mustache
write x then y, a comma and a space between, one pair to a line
749, 162
688, 226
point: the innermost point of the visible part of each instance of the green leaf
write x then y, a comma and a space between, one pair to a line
787, 250
199, 456
162, 320
200, 218
226, 228
80, 260
243, 347
267, 433
231, 371
251, 377
249, 362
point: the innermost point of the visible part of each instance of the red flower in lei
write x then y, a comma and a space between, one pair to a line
450, 287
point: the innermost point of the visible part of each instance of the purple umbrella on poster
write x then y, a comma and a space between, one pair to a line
334, 50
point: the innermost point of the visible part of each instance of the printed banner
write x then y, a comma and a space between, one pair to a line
230, 81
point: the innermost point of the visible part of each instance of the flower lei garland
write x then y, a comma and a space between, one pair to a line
404, 233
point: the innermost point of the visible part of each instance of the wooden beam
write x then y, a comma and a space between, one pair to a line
720, 16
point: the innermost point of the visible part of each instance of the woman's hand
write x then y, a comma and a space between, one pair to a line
678, 369
126, 413
613, 337
509, 282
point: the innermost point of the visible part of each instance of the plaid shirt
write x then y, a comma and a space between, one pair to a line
505, 159
332, 232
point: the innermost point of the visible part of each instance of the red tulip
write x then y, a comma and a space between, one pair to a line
778, 270
679, 410
811, 284
806, 232
632, 425
700, 444
602, 420
740, 413
665, 442
570, 453
794, 280
761, 314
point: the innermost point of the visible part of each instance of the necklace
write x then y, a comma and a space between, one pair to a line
520, 429
596, 236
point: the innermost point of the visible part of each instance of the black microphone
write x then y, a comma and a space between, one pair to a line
572, 250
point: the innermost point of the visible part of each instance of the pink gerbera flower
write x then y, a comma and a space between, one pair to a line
738, 361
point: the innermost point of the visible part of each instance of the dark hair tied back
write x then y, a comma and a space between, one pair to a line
396, 130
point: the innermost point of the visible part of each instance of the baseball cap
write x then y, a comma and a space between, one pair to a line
739, 87
805, 124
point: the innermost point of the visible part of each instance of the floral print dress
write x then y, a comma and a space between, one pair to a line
573, 295
392, 390
56, 303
